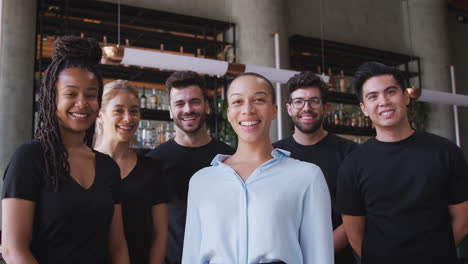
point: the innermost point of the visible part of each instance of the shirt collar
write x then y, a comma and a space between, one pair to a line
276, 153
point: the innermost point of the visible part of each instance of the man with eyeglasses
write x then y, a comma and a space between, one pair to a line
307, 103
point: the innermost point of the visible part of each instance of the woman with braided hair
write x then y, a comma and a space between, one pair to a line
60, 197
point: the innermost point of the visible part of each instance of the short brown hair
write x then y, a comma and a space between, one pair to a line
182, 79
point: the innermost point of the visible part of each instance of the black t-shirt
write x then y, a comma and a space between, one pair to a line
141, 189
71, 225
328, 154
404, 189
179, 163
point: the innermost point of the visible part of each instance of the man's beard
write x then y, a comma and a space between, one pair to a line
310, 129
192, 130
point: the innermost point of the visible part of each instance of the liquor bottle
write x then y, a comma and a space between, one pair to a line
336, 118
330, 118
148, 136
360, 120
331, 81
347, 119
163, 101
143, 100
161, 134
354, 120
172, 130
154, 100
139, 134
341, 121
342, 83
168, 133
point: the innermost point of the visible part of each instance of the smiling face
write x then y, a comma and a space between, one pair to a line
188, 108
251, 109
306, 119
121, 116
385, 102
77, 99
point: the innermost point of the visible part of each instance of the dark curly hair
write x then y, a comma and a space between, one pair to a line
307, 79
372, 69
69, 52
182, 79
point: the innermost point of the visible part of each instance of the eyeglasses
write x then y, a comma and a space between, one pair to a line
313, 102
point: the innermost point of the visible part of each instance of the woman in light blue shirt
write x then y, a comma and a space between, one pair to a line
258, 205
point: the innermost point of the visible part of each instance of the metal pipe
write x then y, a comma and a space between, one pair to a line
278, 89
455, 107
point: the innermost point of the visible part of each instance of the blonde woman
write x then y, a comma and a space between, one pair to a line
144, 197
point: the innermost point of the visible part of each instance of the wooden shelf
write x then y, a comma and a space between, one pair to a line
306, 54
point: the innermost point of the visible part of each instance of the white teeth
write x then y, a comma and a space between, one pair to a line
249, 123
307, 117
79, 115
387, 113
189, 119
125, 128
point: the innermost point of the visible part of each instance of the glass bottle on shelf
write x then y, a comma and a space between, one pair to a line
139, 134
325, 118
161, 134
347, 119
354, 120
143, 99
167, 132
360, 119
148, 136
154, 99
166, 101
336, 118
341, 83
331, 81
341, 120
330, 120
172, 130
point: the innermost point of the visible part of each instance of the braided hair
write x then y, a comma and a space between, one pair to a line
69, 52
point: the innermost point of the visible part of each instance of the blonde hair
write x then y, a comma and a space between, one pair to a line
113, 88
110, 91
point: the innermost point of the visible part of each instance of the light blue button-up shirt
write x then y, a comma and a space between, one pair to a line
280, 213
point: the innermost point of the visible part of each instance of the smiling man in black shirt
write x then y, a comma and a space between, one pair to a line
189, 151
403, 195
307, 103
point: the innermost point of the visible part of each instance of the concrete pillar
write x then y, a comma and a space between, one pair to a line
256, 22
428, 20
17, 44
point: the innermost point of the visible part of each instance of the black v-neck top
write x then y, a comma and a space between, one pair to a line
71, 225
142, 188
